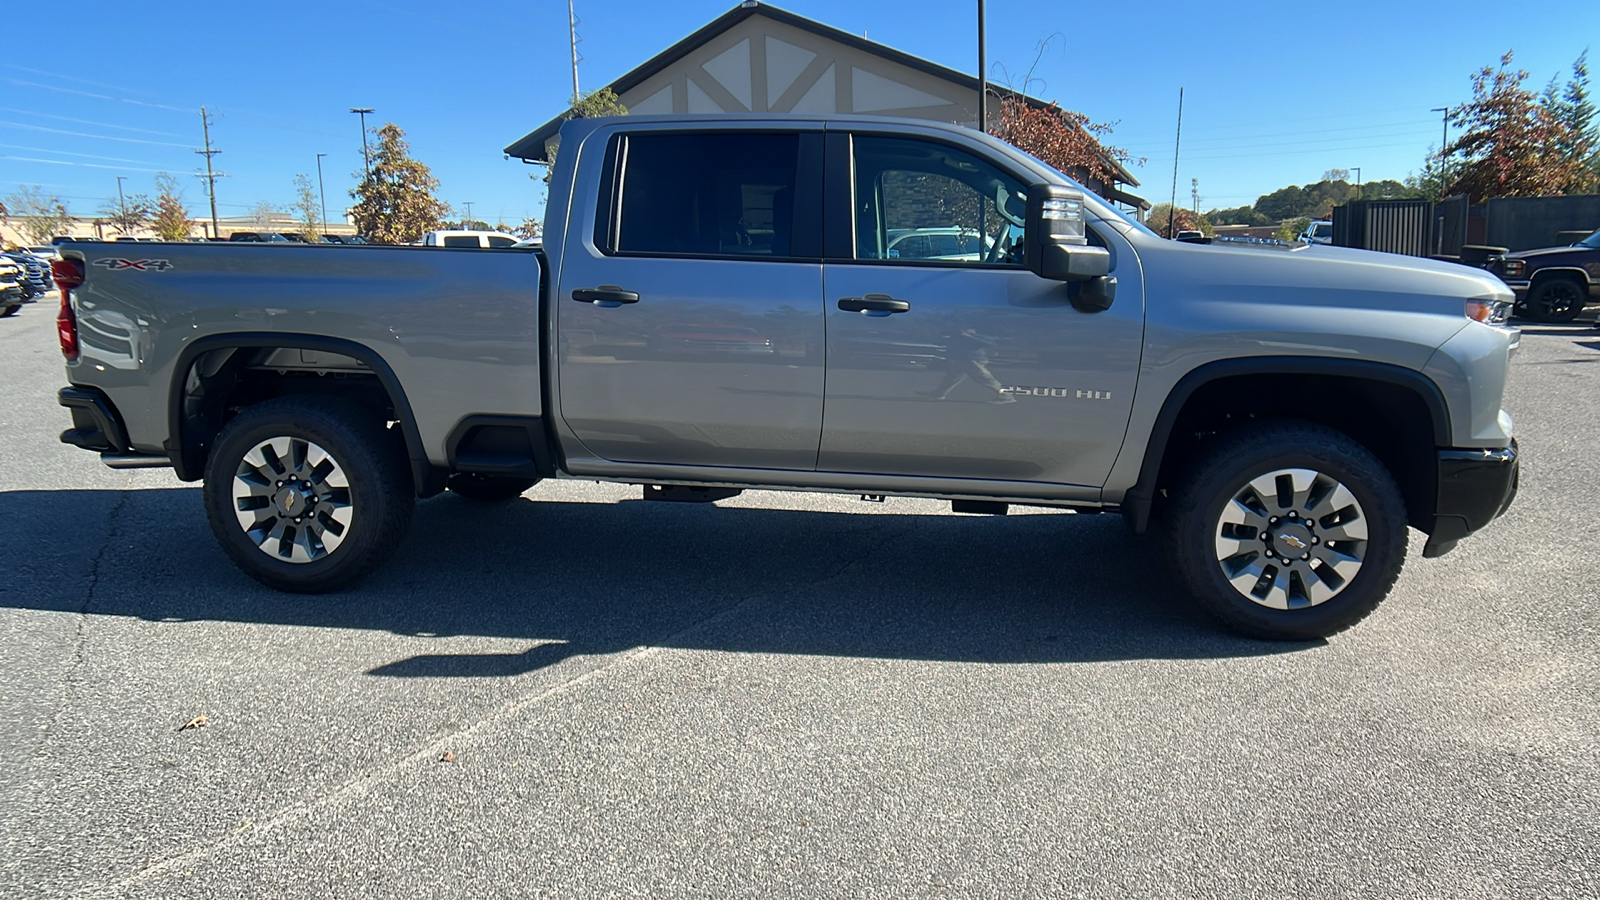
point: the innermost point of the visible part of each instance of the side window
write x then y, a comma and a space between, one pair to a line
462, 240
501, 241
918, 200
709, 194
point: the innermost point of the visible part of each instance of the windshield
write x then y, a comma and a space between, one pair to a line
1592, 241
1322, 229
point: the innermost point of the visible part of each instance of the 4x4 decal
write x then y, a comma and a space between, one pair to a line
138, 265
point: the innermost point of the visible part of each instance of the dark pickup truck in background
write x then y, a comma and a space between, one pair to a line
1553, 284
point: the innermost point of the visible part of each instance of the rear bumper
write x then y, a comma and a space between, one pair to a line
1475, 487
96, 425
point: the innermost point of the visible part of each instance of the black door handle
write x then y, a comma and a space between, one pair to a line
874, 304
607, 295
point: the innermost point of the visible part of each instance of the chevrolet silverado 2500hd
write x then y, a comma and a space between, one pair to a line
856, 305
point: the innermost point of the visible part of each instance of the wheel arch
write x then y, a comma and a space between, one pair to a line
1568, 273
189, 441
1211, 396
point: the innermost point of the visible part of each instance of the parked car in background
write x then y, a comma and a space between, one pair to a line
11, 288
257, 237
1553, 284
1318, 232
35, 275
483, 239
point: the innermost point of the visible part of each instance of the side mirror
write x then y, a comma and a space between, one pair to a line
1055, 241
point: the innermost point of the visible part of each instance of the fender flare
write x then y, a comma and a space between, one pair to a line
188, 460
1136, 503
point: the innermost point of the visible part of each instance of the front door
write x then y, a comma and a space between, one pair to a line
946, 357
689, 324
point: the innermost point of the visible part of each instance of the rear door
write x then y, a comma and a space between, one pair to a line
689, 308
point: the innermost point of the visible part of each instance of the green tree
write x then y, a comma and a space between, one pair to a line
395, 204
129, 212
1292, 229
39, 216
1580, 140
306, 208
1283, 203
171, 219
593, 105
1511, 144
1157, 220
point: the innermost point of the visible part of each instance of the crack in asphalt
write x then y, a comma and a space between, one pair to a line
430, 753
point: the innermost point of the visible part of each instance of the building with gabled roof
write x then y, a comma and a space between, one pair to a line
762, 59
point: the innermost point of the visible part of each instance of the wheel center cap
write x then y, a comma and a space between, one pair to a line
1292, 541
290, 501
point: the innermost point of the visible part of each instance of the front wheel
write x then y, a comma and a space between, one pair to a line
1557, 300
1288, 530
307, 494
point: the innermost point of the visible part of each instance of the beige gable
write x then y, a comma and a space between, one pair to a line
762, 65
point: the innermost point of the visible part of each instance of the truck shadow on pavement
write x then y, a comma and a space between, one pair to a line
581, 578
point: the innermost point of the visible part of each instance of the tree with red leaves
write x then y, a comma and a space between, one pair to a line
1062, 138
1511, 144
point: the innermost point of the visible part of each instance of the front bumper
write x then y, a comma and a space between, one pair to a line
1475, 487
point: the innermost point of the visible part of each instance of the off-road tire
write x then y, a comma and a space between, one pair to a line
488, 488
1223, 469
380, 493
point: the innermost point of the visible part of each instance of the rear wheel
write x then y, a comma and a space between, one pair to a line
308, 494
1288, 530
1556, 300
488, 488
9, 310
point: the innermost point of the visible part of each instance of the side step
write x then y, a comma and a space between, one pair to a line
984, 507
683, 493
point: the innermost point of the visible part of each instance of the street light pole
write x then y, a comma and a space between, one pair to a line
468, 205
321, 197
1357, 170
983, 80
122, 206
366, 156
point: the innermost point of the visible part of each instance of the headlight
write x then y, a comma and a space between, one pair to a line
1513, 267
1489, 312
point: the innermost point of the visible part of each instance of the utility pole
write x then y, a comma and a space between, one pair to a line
572, 34
366, 155
468, 205
122, 205
983, 76
1177, 142
321, 197
1357, 170
1194, 192
1443, 143
210, 176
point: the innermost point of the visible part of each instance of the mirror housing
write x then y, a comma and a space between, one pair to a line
1056, 240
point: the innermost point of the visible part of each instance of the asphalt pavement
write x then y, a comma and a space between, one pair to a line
786, 695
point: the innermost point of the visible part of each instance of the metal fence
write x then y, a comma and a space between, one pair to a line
1393, 226
1454, 229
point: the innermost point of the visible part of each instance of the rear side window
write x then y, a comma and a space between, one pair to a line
501, 242
462, 240
717, 194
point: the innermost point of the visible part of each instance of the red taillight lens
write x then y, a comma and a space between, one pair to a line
68, 274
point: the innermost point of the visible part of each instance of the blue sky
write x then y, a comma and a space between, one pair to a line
1276, 93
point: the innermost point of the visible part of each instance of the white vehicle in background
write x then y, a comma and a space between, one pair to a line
1318, 232
484, 239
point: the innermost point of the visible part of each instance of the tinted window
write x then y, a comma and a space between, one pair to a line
921, 200
708, 194
462, 240
502, 242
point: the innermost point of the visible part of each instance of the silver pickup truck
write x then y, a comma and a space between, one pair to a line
858, 305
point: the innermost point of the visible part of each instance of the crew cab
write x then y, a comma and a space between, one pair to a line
718, 305
1553, 284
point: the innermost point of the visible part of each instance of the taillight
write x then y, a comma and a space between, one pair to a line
68, 274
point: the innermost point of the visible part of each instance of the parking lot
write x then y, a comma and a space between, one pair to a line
584, 694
